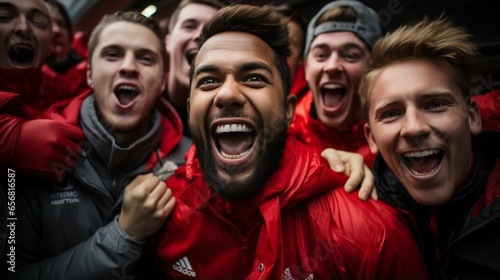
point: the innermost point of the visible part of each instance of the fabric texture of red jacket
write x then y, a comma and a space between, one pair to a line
301, 225
316, 135
25, 96
489, 106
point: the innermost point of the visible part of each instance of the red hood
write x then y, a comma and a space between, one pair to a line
302, 174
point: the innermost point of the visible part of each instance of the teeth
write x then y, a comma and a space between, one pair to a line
232, 128
420, 174
332, 86
126, 87
420, 154
234, 156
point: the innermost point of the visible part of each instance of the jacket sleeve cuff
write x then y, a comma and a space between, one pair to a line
124, 235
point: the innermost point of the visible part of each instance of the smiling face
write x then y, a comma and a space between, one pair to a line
334, 66
182, 43
238, 115
25, 33
127, 77
421, 124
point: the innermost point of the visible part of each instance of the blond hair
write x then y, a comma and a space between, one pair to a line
428, 38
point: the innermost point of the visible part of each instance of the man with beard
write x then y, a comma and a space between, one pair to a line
434, 160
36, 147
252, 202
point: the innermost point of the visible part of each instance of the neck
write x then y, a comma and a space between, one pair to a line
125, 139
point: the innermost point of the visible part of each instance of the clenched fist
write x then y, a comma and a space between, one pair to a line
147, 203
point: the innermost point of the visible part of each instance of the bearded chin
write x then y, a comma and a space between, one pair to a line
268, 161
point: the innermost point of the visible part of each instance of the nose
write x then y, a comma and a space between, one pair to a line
22, 27
415, 125
129, 65
196, 34
333, 64
56, 28
229, 96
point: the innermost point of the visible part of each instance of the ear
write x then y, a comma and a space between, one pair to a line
474, 117
187, 106
291, 104
370, 138
88, 72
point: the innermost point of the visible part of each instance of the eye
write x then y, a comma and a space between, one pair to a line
255, 78
147, 59
207, 83
390, 115
40, 20
352, 55
111, 55
255, 81
320, 55
437, 104
5, 16
189, 25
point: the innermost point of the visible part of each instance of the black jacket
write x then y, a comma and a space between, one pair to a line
460, 239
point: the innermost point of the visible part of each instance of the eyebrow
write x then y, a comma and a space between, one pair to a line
118, 46
256, 66
250, 66
6, 5
206, 68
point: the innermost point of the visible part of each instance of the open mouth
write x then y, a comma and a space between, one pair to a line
423, 162
333, 94
22, 54
126, 94
190, 55
234, 141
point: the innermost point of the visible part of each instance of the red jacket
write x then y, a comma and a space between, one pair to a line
35, 93
25, 95
300, 226
72, 82
313, 133
489, 106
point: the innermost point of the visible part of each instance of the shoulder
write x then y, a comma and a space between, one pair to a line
357, 218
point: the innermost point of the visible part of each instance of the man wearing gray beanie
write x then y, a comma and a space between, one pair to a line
337, 49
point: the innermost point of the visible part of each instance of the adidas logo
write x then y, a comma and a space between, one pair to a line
184, 266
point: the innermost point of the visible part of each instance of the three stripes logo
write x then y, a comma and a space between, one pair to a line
184, 266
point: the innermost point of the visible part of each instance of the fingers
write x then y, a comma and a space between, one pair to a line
138, 180
334, 159
169, 206
354, 166
367, 188
161, 200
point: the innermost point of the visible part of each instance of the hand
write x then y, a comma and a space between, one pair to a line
147, 203
352, 165
48, 148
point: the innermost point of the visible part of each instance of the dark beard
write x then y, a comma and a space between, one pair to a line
268, 161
